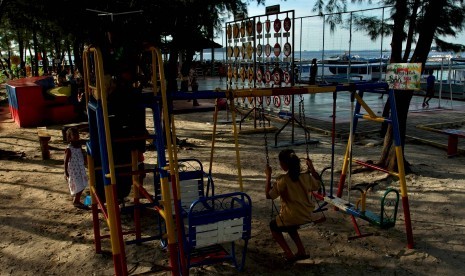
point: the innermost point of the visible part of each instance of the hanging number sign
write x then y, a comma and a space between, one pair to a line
277, 49
287, 49
249, 28
250, 74
235, 30
268, 100
259, 75
236, 51
287, 99
249, 50
267, 76
242, 74
259, 27
230, 74
287, 77
276, 101
276, 78
277, 25
268, 50
287, 24
242, 29
259, 50
229, 32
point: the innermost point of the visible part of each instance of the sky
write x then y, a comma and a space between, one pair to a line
301, 7
306, 29
309, 30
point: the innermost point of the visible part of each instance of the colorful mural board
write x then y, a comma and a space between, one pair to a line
403, 76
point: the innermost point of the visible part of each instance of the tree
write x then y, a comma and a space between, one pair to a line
428, 21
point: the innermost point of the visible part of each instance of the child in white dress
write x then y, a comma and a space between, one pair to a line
75, 170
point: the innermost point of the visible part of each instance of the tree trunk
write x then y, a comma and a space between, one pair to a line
388, 155
36, 50
77, 52
388, 158
33, 64
172, 72
398, 33
22, 64
427, 30
71, 65
411, 29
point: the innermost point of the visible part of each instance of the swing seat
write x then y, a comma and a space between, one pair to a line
191, 188
216, 221
386, 219
191, 184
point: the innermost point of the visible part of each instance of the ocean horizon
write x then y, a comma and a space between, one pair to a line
308, 55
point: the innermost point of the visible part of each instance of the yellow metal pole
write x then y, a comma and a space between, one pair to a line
164, 180
116, 235
236, 139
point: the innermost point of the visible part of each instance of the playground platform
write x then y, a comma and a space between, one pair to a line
318, 112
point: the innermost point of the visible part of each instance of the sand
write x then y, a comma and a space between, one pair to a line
43, 234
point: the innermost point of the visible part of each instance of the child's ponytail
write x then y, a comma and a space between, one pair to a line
292, 162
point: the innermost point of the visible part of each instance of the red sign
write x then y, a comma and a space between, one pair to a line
259, 76
287, 99
277, 78
277, 101
267, 76
267, 26
259, 27
277, 49
287, 24
277, 25
249, 29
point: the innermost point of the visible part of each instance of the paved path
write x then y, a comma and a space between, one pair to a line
318, 110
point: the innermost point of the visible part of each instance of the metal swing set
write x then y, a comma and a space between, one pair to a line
194, 224
389, 202
386, 218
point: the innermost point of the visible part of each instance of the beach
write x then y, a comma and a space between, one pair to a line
43, 234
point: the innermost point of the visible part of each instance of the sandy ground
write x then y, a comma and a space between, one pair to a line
43, 234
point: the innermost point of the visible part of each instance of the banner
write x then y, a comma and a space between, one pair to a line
403, 76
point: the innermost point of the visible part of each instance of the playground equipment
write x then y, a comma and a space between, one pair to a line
389, 202
35, 101
192, 223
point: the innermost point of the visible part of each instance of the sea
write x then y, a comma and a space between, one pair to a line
307, 55
303, 58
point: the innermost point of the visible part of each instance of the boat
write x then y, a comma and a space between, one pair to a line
340, 64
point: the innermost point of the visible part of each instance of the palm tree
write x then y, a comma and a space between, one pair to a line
423, 21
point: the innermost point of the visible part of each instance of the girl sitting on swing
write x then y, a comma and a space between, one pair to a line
293, 188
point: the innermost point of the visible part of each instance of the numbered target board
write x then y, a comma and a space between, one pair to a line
260, 50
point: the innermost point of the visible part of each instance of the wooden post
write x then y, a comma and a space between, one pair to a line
44, 138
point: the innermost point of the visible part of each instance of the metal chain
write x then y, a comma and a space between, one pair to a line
263, 121
302, 120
